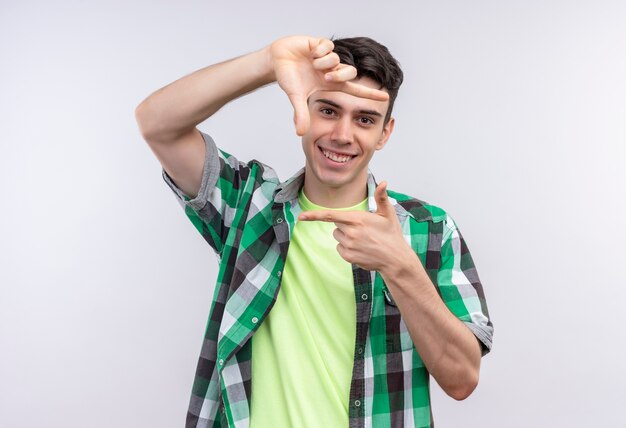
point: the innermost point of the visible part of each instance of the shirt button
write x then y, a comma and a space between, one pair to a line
357, 403
255, 320
364, 296
279, 273
279, 220
221, 362
360, 351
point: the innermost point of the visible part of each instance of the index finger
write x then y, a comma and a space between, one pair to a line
345, 217
363, 91
343, 78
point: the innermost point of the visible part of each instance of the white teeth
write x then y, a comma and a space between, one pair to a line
335, 157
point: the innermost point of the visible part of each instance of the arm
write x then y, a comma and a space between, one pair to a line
168, 118
448, 348
176, 109
301, 65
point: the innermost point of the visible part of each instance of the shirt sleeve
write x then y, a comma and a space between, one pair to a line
213, 209
460, 287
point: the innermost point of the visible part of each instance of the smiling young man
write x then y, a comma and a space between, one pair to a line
336, 299
345, 132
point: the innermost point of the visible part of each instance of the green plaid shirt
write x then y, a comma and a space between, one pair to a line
247, 215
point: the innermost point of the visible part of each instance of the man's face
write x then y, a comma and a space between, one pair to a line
345, 132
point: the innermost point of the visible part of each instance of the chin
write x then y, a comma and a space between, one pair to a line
334, 180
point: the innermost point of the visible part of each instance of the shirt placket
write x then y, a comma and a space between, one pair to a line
363, 292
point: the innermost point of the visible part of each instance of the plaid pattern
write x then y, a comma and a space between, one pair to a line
247, 215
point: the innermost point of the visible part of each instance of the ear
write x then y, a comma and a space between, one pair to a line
387, 130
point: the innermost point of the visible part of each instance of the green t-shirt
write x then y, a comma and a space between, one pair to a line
302, 354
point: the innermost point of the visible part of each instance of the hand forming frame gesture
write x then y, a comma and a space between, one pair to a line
303, 65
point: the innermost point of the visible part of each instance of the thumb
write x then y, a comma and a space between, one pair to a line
383, 206
300, 113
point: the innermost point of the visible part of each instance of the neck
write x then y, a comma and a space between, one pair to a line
330, 196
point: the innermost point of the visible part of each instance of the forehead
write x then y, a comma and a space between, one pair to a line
351, 102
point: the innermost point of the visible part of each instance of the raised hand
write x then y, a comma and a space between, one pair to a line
304, 65
374, 241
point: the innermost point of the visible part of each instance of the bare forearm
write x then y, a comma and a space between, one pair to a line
450, 351
177, 108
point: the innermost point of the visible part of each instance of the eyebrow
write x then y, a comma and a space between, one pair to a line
337, 106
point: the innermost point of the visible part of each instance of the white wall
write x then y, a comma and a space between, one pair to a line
512, 117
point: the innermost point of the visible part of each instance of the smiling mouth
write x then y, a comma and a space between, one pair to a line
336, 157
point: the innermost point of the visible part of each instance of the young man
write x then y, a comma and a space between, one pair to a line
336, 299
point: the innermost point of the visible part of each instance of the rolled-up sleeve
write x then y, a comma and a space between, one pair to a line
212, 210
460, 286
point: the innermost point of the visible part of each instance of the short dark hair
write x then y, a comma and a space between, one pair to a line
373, 60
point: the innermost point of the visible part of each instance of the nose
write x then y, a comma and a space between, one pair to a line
342, 131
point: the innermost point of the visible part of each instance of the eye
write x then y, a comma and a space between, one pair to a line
365, 120
327, 111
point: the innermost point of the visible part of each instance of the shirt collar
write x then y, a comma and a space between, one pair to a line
288, 190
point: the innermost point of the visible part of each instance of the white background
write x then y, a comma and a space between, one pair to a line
512, 117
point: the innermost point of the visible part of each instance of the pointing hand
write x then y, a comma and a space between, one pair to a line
374, 241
